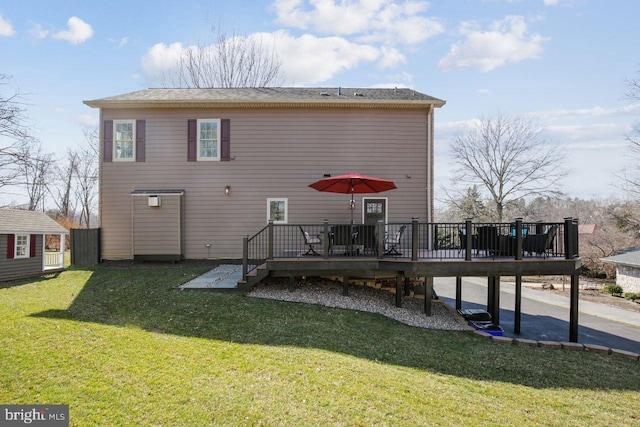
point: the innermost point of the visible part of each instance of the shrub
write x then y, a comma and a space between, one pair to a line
633, 296
613, 289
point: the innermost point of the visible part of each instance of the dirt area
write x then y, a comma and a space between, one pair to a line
590, 290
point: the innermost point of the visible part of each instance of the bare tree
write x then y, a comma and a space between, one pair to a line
65, 173
14, 136
507, 157
35, 173
630, 177
86, 175
227, 62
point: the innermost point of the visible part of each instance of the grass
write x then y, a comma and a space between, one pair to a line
121, 346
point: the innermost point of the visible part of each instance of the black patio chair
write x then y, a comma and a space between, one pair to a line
311, 241
540, 244
462, 235
488, 239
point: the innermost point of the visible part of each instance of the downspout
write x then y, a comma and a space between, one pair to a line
429, 165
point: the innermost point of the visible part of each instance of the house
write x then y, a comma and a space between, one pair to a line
185, 173
627, 270
22, 244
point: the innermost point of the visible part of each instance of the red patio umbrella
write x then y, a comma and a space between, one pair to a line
352, 183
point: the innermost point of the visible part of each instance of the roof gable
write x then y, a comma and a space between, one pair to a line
29, 222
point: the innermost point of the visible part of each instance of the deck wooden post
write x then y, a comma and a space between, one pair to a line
573, 308
415, 238
325, 239
428, 294
292, 283
468, 238
493, 298
399, 284
519, 239
518, 305
345, 286
458, 293
245, 256
270, 240
380, 237
407, 286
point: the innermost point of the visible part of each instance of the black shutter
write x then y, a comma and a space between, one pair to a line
192, 135
107, 141
225, 139
140, 140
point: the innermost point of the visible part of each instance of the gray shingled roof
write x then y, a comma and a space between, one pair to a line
29, 222
159, 97
631, 259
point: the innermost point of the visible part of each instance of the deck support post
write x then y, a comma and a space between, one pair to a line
345, 286
292, 283
399, 285
493, 298
428, 295
518, 306
458, 293
573, 308
245, 256
407, 286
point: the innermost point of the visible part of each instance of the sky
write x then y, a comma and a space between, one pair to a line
562, 63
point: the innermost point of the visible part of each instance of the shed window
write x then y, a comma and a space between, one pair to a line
22, 246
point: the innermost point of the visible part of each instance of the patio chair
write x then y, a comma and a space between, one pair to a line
393, 241
311, 241
540, 244
462, 235
488, 239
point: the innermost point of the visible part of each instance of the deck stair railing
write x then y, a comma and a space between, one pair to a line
412, 240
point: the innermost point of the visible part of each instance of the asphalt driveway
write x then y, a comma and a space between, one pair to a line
545, 315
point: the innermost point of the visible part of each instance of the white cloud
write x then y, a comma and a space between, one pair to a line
78, 32
382, 21
306, 59
6, 29
506, 41
627, 110
87, 119
36, 32
484, 92
551, 2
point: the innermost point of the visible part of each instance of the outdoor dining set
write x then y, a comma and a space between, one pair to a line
354, 240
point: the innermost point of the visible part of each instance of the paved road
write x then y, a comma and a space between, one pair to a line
545, 315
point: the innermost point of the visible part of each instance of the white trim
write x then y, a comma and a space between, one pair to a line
286, 209
115, 158
208, 159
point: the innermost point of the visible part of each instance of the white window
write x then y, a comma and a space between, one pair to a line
124, 140
208, 139
22, 246
277, 210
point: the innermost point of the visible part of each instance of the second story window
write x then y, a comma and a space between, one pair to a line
124, 140
208, 139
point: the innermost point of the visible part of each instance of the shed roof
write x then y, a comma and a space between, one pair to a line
629, 259
270, 97
29, 222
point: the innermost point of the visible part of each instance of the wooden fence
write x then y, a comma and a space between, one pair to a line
85, 246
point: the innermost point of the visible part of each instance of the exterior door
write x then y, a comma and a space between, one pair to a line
374, 210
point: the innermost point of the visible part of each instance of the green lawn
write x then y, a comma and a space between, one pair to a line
121, 346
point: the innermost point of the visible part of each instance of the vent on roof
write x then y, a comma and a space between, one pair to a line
357, 94
324, 94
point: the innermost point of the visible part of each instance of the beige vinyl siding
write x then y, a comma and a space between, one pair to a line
278, 152
156, 230
19, 267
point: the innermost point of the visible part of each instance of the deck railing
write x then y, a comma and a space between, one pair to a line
413, 241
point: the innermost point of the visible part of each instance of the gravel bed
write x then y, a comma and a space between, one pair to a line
363, 298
